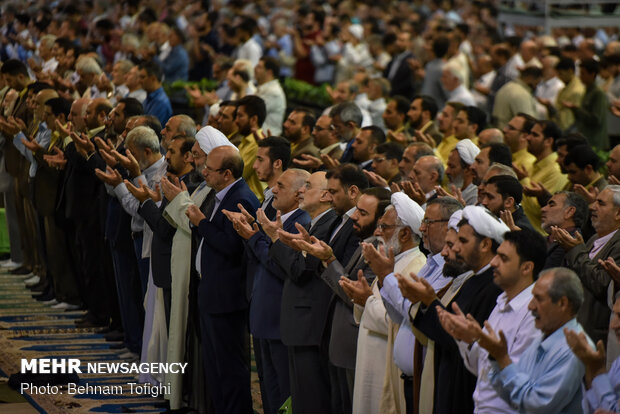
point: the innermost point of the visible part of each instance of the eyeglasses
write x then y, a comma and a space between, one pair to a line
378, 160
319, 128
429, 221
512, 128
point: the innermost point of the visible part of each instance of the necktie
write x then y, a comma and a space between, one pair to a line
208, 205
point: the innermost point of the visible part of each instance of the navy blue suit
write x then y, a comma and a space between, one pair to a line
265, 305
223, 305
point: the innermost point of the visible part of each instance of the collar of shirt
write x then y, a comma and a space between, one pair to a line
317, 218
363, 164
519, 301
268, 195
597, 179
484, 269
249, 138
222, 193
426, 126
151, 169
95, 131
267, 85
406, 253
545, 162
430, 194
349, 213
557, 336
600, 243
329, 148
285, 217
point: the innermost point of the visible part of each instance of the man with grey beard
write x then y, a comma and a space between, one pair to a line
398, 232
432, 229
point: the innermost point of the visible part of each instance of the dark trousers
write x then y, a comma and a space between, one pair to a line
143, 264
273, 373
226, 350
309, 373
341, 380
408, 390
129, 293
59, 268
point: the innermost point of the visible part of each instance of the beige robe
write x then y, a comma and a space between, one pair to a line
180, 268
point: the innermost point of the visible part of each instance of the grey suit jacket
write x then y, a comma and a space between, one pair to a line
344, 330
594, 312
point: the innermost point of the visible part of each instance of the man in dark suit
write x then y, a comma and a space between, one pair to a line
305, 302
268, 281
343, 338
584, 259
222, 290
398, 71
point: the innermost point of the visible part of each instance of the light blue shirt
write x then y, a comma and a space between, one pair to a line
219, 196
43, 138
398, 306
547, 377
605, 391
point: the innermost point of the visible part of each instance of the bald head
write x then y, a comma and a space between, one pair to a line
490, 135
223, 167
96, 112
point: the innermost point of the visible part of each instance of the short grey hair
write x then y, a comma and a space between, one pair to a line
187, 125
579, 203
125, 65
143, 137
455, 69
502, 169
615, 190
300, 177
447, 206
422, 149
88, 65
565, 283
48, 41
348, 112
437, 166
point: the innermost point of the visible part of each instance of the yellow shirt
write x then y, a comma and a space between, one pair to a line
524, 159
547, 172
248, 149
573, 93
445, 147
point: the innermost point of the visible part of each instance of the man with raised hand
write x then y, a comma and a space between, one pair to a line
517, 263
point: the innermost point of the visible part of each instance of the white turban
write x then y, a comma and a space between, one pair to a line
357, 30
408, 211
455, 219
209, 138
467, 151
485, 223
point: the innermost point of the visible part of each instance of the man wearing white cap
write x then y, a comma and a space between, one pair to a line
480, 233
432, 229
459, 172
398, 229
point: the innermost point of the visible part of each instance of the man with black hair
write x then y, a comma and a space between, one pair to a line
157, 102
516, 265
343, 338
272, 159
298, 130
591, 113
250, 115
267, 72
421, 115
502, 194
572, 93
515, 135
582, 165
431, 85
395, 117
545, 171
468, 122
495, 152
386, 161
247, 47
365, 144
398, 71
516, 97
445, 124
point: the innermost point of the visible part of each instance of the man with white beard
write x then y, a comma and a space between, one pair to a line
398, 232
460, 174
